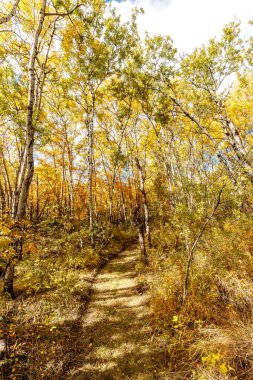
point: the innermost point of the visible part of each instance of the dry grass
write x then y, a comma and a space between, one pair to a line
52, 288
210, 336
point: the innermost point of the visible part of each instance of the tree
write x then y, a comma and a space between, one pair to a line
98, 49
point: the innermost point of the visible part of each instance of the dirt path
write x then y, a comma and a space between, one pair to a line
116, 337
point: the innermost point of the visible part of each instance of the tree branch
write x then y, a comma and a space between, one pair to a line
65, 13
194, 244
11, 14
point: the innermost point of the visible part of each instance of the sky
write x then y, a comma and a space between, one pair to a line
190, 23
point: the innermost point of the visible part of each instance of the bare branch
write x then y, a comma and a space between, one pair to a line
194, 244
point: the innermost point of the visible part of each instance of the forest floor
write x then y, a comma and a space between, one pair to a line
114, 338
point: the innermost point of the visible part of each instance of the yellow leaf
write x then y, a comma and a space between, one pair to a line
223, 368
4, 242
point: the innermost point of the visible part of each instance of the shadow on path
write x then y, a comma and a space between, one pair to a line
114, 338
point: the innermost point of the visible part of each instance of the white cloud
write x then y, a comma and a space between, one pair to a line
189, 22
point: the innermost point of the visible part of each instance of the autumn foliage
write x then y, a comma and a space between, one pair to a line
107, 140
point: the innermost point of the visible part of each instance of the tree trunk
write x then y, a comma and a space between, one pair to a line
140, 224
37, 212
6, 177
90, 126
70, 171
26, 169
123, 207
2, 200
90, 174
144, 199
8, 280
142, 244
111, 206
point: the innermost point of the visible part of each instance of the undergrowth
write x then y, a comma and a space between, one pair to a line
209, 337
52, 286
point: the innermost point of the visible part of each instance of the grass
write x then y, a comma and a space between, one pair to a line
52, 288
210, 336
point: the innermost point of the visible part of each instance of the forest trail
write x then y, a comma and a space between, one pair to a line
116, 338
